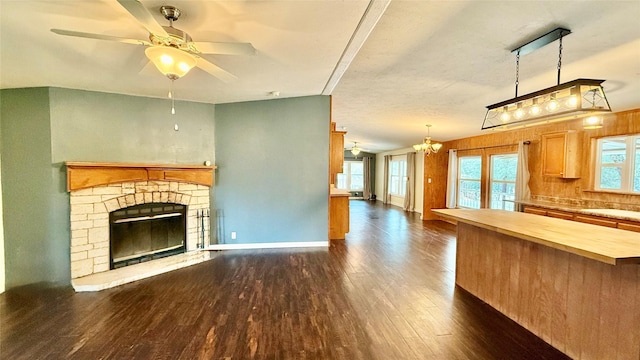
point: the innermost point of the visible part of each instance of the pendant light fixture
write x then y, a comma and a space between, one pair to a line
427, 146
580, 98
355, 150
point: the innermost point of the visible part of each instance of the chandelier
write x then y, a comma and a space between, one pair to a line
580, 98
355, 150
427, 146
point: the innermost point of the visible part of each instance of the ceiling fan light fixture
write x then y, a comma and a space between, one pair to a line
171, 62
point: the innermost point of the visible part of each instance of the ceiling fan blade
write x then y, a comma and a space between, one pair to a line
100, 37
225, 48
143, 16
214, 70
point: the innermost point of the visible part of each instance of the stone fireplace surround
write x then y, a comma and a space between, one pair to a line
91, 202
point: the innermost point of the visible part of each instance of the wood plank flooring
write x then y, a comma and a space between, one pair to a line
386, 292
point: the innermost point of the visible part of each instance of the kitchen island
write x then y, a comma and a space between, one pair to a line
575, 285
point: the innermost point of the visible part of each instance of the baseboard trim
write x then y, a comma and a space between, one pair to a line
268, 245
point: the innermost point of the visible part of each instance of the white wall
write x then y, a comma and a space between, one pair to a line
419, 190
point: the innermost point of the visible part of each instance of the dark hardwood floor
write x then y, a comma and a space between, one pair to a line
387, 292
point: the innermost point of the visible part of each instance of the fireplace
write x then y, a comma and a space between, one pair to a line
145, 232
122, 214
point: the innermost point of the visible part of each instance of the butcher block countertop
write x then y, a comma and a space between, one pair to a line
333, 192
608, 245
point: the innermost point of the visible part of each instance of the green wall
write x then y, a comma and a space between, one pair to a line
43, 127
34, 251
273, 161
93, 126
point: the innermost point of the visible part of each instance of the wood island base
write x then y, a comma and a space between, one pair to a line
586, 308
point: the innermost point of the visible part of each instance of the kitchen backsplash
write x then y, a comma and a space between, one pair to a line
585, 203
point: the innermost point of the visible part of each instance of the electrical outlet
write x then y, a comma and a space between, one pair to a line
233, 235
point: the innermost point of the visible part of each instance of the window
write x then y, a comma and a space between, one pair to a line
352, 178
503, 181
618, 164
398, 177
469, 172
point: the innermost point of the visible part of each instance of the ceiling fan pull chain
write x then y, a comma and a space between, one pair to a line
173, 99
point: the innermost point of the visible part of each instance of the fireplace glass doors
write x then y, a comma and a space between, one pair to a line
145, 232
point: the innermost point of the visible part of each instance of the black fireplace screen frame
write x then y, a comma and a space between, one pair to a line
145, 232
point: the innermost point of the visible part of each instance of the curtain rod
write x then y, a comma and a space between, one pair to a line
489, 147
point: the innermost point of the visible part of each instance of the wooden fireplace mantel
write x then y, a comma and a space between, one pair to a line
82, 175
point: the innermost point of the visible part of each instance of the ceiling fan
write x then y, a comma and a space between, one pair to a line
171, 49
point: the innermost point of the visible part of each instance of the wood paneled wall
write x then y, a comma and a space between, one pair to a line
622, 123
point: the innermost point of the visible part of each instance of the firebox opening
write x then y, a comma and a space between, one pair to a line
145, 232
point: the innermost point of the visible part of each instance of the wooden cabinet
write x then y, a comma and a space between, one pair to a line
338, 217
595, 220
338, 199
629, 225
535, 210
336, 150
560, 214
561, 154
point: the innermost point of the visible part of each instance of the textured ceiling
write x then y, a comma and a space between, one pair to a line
425, 62
442, 62
296, 49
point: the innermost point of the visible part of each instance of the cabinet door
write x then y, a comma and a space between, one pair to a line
336, 156
535, 210
560, 214
338, 217
596, 220
561, 155
629, 226
553, 154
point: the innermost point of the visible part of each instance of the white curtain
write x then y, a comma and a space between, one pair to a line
452, 179
409, 196
385, 198
366, 191
522, 175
